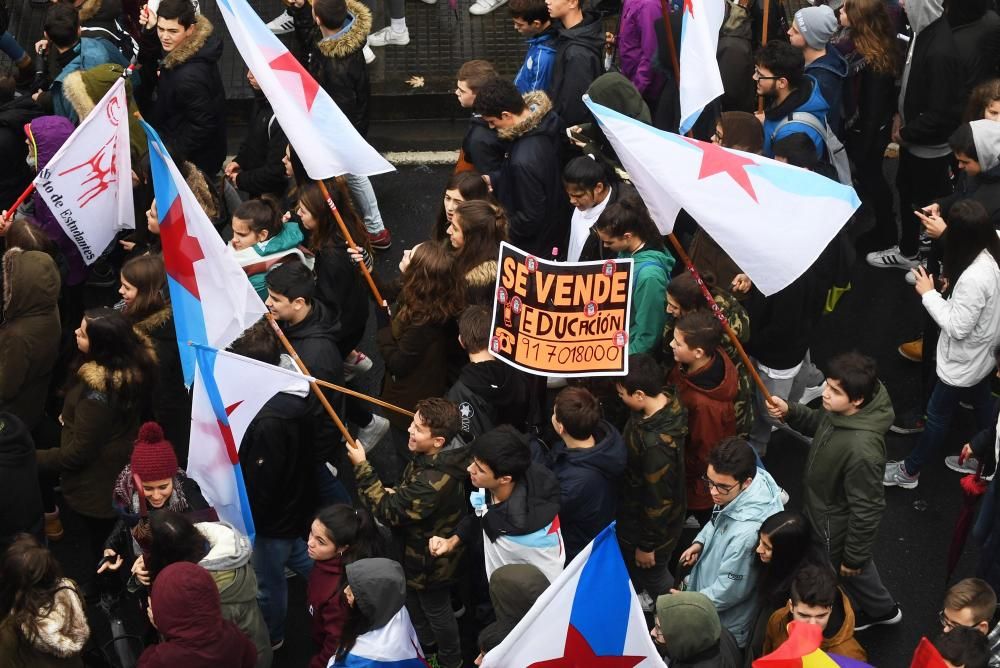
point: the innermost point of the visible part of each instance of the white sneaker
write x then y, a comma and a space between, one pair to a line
483, 7
812, 393
970, 465
373, 433
388, 36
891, 258
368, 53
282, 24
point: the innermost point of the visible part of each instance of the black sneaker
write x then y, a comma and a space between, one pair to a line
908, 422
863, 621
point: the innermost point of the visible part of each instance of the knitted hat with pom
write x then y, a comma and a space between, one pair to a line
153, 457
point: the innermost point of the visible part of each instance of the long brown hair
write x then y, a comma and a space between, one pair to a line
471, 186
327, 232
872, 33
30, 579
148, 275
431, 293
483, 227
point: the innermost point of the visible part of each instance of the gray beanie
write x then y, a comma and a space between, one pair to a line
817, 25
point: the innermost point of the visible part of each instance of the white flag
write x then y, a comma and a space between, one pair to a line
87, 184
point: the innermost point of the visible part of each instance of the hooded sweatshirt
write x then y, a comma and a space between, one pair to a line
514, 588
694, 636
54, 646
726, 571
589, 479
652, 269
578, 62
188, 615
20, 498
488, 394
616, 92
985, 186
228, 562
30, 333
807, 98
837, 638
830, 71
708, 395
843, 496
652, 503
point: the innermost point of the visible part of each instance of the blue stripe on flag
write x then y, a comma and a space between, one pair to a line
602, 603
538, 539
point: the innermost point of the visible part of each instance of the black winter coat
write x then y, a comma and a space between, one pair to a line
338, 64
978, 44
20, 497
15, 174
489, 394
262, 171
579, 56
482, 147
342, 289
529, 184
190, 106
934, 98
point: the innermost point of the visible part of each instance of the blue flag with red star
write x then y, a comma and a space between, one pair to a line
322, 136
772, 219
213, 301
589, 617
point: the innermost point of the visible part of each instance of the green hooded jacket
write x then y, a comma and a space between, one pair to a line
651, 273
844, 497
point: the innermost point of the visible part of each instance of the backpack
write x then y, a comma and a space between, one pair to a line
117, 36
836, 155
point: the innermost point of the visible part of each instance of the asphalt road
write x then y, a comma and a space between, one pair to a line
880, 312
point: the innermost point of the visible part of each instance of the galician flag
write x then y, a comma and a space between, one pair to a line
773, 219
589, 616
323, 138
229, 392
701, 81
212, 299
87, 184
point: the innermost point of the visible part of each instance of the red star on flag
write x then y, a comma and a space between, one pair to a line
286, 62
689, 7
181, 249
717, 160
578, 654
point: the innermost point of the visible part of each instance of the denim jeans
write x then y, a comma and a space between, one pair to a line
789, 389
10, 46
364, 199
940, 411
331, 490
270, 557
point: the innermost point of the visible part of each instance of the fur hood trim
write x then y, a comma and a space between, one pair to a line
484, 273
539, 105
76, 92
347, 44
63, 630
89, 9
202, 31
95, 376
9, 258
202, 192
154, 321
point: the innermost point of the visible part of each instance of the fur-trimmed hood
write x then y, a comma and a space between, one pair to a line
198, 41
149, 325
539, 105
484, 273
63, 631
85, 88
95, 376
99, 10
352, 40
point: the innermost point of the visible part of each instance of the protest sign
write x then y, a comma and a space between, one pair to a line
563, 319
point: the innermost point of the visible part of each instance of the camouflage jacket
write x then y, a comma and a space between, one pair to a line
429, 501
652, 505
739, 320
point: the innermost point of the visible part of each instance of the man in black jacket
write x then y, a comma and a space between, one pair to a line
189, 110
579, 49
528, 183
15, 113
258, 167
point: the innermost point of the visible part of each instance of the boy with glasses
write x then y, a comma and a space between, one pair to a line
971, 604
780, 76
722, 553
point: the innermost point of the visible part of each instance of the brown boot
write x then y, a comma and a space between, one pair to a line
53, 525
913, 350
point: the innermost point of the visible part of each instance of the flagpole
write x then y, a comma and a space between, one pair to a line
365, 397
674, 62
313, 384
763, 40
721, 316
350, 243
20, 200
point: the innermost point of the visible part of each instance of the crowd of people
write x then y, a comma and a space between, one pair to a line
475, 504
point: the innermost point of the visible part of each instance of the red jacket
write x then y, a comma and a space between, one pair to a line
711, 418
328, 608
188, 615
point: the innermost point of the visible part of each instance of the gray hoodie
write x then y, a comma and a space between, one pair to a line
920, 14
986, 135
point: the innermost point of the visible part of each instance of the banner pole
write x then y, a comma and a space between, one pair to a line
350, 243
763, 41
20, 200
365, 397
313, 384
718, 313
671, 46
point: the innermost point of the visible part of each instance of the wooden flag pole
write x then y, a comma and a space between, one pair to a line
350, 243
763, 40
365, 397
313, 384
671, 46
718, 313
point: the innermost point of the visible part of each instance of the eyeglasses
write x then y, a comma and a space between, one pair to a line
950, 625
719, 487
760, 77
